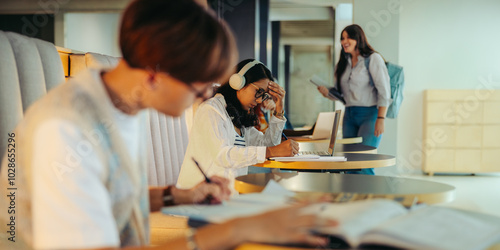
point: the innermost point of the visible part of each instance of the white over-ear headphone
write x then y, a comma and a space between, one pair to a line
237, 81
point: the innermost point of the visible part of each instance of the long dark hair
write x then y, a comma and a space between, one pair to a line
354, 32
239, 116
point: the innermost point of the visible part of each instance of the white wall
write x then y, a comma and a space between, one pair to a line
380, 21
343, 18
445, 44
92, 32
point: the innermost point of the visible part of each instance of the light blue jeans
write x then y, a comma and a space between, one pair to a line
360, 122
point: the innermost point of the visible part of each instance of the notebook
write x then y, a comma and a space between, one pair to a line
333, 93
323, 126
323, 149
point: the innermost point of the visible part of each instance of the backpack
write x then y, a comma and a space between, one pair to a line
397, 80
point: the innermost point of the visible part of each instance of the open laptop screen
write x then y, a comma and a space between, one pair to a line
323, 126
335, 129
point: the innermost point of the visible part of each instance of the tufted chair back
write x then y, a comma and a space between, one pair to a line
29, 68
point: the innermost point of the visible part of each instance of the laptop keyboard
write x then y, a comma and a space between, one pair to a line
314, 153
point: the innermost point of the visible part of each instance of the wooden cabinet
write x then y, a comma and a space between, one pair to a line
461, 131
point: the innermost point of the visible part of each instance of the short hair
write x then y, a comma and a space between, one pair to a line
178, 37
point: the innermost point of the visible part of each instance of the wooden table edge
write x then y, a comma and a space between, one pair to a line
323, 165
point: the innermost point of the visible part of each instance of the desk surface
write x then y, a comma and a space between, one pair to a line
379, 186
354, 161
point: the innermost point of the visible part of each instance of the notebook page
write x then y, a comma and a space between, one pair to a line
310, 158
438, 228
274, 196
220, 213
356, 218
295, 158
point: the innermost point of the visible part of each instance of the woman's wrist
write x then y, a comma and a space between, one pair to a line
279, 114
179, 196
168, 198
380, 117
268, 152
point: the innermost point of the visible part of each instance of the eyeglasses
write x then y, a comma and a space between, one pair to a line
202, 94
261, 93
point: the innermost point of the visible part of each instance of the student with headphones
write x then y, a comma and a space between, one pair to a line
223, 138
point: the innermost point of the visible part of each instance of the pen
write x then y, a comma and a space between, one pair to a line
209, 199
207, 180
284, 136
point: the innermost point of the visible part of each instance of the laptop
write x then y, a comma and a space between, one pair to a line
322, 149
323, 126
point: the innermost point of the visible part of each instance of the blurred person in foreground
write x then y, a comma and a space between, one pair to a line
81, 158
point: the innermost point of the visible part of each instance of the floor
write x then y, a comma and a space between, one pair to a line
479, 193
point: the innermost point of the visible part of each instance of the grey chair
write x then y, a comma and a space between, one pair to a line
29, 68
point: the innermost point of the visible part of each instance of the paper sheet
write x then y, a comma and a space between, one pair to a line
311, 158
274, 196
439, 228
358, 217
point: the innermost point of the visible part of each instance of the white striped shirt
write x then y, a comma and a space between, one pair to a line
239, 140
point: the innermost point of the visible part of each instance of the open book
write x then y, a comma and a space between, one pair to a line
387, 223
369, 222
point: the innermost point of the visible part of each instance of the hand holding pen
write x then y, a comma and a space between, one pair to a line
211, 191
284, 136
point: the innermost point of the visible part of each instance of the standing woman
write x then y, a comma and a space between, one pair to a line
224, 139
366, 103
